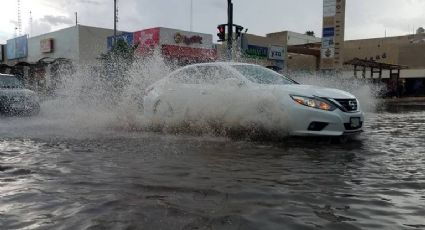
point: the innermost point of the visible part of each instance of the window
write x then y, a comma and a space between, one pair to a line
261, 75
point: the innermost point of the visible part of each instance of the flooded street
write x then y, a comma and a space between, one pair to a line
109, 179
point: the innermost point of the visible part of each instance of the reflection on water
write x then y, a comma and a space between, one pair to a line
139, 180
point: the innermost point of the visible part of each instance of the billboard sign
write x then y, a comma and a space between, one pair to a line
332, 55
147, 38
328, 32
17, 47
125, 36
328, 52
188, 40
277, 53
46, 45
328, 42
257, 51
185, 38
329, 8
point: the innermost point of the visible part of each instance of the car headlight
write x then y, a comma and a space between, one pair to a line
314, 102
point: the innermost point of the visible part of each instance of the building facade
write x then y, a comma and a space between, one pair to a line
272, 50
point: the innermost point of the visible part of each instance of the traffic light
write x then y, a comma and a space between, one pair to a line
238, 31
221, 32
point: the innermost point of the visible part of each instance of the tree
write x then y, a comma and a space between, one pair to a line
116, 64
310, 33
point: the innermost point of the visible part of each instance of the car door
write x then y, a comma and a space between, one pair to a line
183, 92
219, 90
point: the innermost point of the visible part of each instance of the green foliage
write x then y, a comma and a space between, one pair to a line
115, 66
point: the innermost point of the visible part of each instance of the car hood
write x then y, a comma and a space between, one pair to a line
311, 91
17, 92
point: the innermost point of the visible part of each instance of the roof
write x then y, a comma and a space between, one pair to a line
373, 64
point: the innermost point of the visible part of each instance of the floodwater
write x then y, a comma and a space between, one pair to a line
123, 179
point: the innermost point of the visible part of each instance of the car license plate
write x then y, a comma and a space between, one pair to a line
355, 122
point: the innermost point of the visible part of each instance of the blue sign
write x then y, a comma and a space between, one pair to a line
17, 47
258, 51
127, 37
328, 32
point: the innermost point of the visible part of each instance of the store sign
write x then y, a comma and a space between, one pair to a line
329, 32
17, 47
147, 38
257, 51
329, 8
181, 38
332, 51
277, 53
126, 37
46, 45
328, 52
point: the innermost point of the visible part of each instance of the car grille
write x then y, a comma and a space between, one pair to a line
349, 105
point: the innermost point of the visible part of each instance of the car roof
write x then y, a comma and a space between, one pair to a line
6, 75
220, 64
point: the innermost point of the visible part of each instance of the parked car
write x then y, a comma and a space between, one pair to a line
310, 110
15, 99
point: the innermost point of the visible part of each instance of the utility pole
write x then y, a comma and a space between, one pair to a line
191, 15
229, 29
76, 19
115, 22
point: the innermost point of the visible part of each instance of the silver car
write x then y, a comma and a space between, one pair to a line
15, 99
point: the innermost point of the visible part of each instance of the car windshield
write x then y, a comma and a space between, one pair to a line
9, 82
261, 75
202, 74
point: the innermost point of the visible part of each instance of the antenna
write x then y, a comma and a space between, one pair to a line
19, 18
30, 25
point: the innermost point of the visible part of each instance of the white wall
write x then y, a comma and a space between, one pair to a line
92, 43
65, 45
299, 39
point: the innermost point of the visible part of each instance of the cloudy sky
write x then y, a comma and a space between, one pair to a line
364, 18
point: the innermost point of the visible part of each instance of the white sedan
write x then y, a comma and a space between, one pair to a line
246, 94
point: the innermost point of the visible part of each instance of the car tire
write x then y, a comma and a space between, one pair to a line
163, 109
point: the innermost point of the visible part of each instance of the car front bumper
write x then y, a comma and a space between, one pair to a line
336, 123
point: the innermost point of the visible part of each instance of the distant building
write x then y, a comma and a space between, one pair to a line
272, 50
81, 44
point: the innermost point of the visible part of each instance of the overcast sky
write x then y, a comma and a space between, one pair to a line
364, 18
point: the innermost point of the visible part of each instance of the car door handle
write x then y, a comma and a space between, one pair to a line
171, 90
203, 92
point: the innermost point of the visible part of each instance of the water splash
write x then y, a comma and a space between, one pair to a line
91, 100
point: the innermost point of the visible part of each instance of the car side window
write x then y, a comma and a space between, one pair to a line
207, 74
184, 76
212, 74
